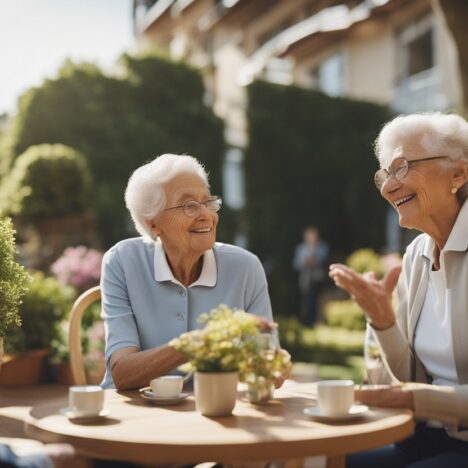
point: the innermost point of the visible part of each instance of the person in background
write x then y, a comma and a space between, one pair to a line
309, 261
424, 177
155, 287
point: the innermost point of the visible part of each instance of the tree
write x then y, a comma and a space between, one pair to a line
153, 106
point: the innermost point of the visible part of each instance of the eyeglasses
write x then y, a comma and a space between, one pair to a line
399, 169
192, 208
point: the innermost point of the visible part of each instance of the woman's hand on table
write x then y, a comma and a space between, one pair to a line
265, 326
374, 296
385, 396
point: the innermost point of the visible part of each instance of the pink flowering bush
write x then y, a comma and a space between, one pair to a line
79, 267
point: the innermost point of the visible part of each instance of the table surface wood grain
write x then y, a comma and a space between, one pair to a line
141, 432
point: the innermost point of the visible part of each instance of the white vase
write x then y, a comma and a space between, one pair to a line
215, 392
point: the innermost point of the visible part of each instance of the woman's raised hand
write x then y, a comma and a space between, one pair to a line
374, 296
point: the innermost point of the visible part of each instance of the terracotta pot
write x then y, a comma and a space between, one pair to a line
215, 392
28, 368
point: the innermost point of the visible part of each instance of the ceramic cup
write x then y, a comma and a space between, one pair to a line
86, 399
167, 386
335, 397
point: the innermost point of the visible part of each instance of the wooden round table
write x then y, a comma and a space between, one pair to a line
140, 432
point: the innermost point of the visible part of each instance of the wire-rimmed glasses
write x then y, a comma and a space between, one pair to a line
192, 208
399, 169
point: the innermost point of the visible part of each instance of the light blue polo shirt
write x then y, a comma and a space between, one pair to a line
143, 305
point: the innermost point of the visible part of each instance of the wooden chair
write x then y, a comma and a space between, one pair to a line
74, 340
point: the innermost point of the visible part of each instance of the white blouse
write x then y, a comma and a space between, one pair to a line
433, 340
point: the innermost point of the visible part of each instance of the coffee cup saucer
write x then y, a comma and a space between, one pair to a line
72, 413
356, 411
158, 400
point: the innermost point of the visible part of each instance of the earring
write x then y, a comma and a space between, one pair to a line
454, 190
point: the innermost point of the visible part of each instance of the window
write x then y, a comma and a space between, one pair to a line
418, 86
420, 54
233, 179
416, 48
328, 76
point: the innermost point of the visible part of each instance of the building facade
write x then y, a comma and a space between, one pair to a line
394, 52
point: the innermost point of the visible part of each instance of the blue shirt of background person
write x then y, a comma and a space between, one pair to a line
309, 261
155, 287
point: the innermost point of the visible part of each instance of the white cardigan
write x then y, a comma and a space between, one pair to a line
448, 404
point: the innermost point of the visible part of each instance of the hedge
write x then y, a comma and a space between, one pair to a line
309, 162
319, 345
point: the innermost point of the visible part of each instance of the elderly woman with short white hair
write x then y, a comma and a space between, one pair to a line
423, 175
155, 287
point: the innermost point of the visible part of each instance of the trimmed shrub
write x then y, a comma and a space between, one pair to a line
154, 106
322, 344
46, 181
365, 260
345, 314
309, 162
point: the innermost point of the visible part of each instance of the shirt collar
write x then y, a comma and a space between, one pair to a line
458, 238
163, 272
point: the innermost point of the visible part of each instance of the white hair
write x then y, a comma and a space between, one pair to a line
145, 197
436, 133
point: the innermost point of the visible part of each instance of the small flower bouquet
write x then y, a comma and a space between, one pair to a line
232, 341
223, 344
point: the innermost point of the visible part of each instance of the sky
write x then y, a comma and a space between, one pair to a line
36, 36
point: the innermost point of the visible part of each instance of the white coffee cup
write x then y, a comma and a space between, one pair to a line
86, 399
335, 397
167, 386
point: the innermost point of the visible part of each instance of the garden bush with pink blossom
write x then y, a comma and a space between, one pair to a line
79, 267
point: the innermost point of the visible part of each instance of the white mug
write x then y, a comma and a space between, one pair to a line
86, 399
167, 386
335, 397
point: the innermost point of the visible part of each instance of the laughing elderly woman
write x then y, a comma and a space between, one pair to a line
423, 175
155, 286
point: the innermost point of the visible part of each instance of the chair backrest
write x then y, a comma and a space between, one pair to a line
74, 339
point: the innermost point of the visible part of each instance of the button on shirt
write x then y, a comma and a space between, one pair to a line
144, 306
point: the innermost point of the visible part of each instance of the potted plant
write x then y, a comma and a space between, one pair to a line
221, 353
13, 281
44, 305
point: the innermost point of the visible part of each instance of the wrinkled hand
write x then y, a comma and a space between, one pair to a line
374, 296
279, 381
265, 326
385, 396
